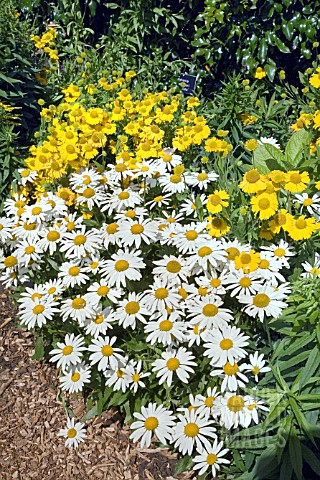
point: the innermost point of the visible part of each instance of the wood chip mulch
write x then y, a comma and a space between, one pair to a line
31, 415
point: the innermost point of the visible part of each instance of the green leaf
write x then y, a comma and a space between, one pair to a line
282, 47
296, 455
93, 412
184, 464
270, 70
296, 145
253, 443
39, 349
311, 459
311, 366
286, 469
260, 156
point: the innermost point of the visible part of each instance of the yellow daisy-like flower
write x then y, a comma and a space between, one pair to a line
266, 234
251, 144
277, 177
280, 221
302, 227
247, 119
217, 226
260, 73
265, 205
304, 120
317, 185
247, 261
216, 201
193, 102
253, 182
314, 80
296, 182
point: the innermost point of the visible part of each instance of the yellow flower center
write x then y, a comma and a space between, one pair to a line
36, 295
70, 149
210, 310
120, 167
120, 373
215, 282
80, 240
121, 265
295, 178
112, 228
217, 223
173, 266
70, 226
25, 173
191, 430
78, 303
245, 258
191, 235
204, 251
88, 192
173, 364
301, 223
38, 309
29, 226
86, 180
264, 204
230, 369
255, 370
226, 344
75, 377
29, 250
137, 229
245, 282
209, 402
202, 177
165, 326
307, 202
130, 214
36, 211
98, 320
183, 293
67, 350
10, 261
151, 423
52, 290
261, 300
202, 291
161, 293
72, 432
211, 458
279, 252
252, 176
175, 178
123, 196
132, 308
103, 290
107, 351
235, 403
215, 199
74, 271
315, 270
232, 253
136, 377
53, 236
264, 264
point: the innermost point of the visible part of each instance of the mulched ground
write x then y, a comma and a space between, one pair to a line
31, 416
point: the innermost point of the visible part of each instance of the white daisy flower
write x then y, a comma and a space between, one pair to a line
53, 288
214, 283
268, 302
134, 375
312, 204
28, 251
232, 376
88, 177
210, 457
79, 243
37, 312
91, 196
68, 352
78, 308
245, 283
168, 161
116, 378
195, 334
207, 312
74, 433
119, 171
192, 431
253, 405
269, 268
189, 206
104, 353
233, 411
207, 256
172, 218
27, 231
6, 225
26, 176
123, 265
269, 140
311, 269
160, 296
256, 365
159, 201
75, 378
51, 238
178, 361
71, 274
70, 222
189, 237
36, 213
209, 404
166, 329
130, 310
225, 345
200, 179
134, 231
172, 183
153, 420
100, 290
93, 264
110, 235
282, 252
172, 268
58, 207
120, 200
100, 323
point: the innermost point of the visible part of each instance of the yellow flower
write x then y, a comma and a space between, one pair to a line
302, 227
314, 80
317, 185
253, 182
281, 220
71, 93
193, 102
277, 177
248, 262
296, 182
266, 234
247, 119
260, 73
67, 195
304, 120
265, 205
216, 201
217, 226
130, 74
222, 133
251, 144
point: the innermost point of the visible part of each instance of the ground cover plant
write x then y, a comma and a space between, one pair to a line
165, 273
